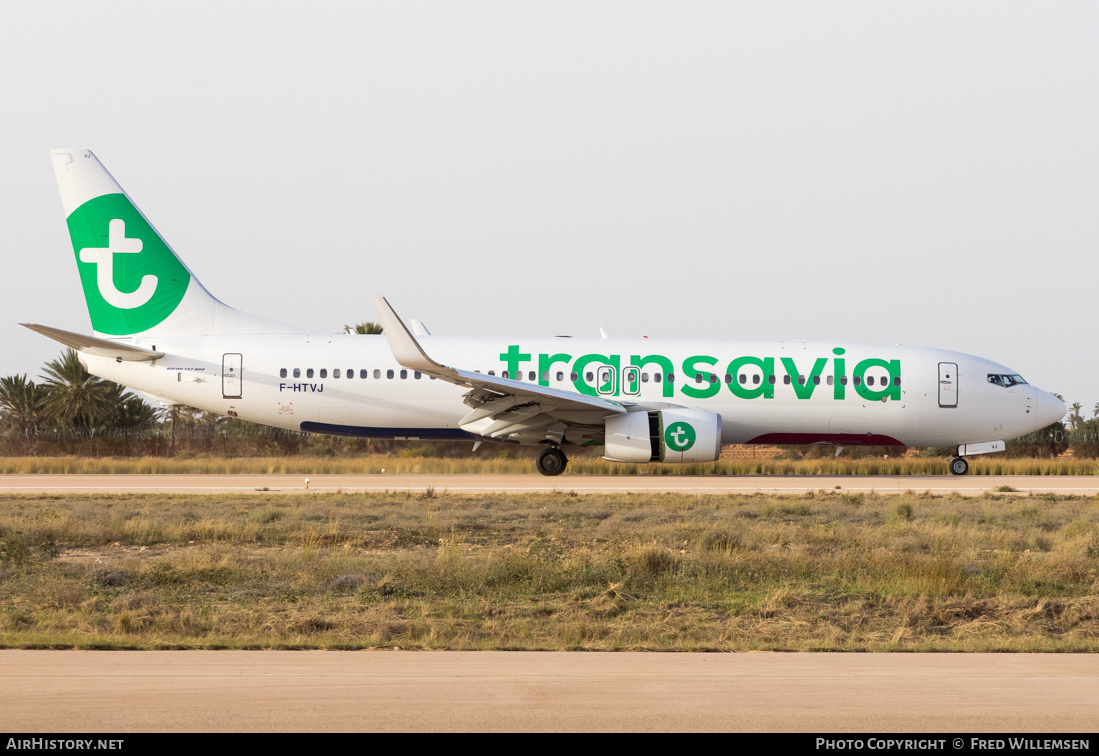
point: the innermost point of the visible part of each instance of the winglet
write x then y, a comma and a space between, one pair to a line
402, 343
408, 353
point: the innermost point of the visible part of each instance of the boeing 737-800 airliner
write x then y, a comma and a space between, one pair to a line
158, 330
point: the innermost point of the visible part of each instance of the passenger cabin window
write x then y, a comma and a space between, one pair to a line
560, 375
786, 379
771, 379
531, 376
858, 381
755, 379
335, 373
671, 377
492, 372
416, 375
589, 376
297, 372
869, 380
573, 376
363, 373
282, 373
658, 377
404, 374
309, 373
388, 373
816, 380
743, 379
378, 374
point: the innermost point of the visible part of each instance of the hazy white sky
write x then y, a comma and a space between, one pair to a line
924, 173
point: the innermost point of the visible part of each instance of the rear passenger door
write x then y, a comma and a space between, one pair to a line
232, 379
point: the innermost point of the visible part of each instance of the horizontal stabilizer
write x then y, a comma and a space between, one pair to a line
95, 346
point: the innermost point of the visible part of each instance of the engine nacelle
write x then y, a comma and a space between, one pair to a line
670, 435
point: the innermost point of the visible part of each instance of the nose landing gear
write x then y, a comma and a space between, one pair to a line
551, 461
958, 466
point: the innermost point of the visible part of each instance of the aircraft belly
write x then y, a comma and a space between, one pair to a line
334, 415
741, 424
402, 433
852, 422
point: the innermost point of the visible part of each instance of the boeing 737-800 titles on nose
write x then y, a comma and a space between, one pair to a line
158, 330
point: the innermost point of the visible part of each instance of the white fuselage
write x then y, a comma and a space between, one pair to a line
786, 392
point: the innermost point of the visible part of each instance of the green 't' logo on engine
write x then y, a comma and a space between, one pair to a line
131, 279
679, 436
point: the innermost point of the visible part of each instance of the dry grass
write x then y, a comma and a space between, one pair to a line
371, 464
826, 571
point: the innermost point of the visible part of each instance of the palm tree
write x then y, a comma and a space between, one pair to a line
131, 411
72, 395
1095, 410
20, 403
1074, 416
367, 328
184, 416
196, 423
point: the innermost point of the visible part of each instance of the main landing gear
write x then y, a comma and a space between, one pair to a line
551, 461
958, 466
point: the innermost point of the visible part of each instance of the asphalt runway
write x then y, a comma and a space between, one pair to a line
408, 691
972, 485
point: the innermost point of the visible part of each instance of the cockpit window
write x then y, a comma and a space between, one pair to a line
1006, 381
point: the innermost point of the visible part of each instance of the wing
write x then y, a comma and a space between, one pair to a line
501, 408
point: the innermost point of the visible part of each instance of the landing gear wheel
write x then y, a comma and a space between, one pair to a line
958, 466
551, 462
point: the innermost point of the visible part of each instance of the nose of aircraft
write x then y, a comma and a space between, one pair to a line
1048, 409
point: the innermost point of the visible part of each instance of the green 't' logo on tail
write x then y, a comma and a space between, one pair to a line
131, 279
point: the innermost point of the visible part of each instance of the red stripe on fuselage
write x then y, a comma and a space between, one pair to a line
838, 439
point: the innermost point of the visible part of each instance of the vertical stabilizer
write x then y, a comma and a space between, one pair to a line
134, 283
